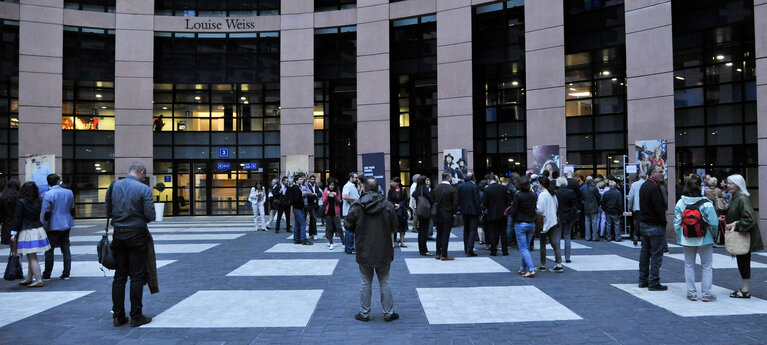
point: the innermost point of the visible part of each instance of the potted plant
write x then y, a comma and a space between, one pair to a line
159, 207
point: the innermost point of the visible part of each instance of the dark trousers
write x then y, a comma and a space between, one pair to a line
495, 229
129, 247
470, 223
635, 228
423, 234
63, 244
651, 257
744, 265
312, 210
286, 211
444, 224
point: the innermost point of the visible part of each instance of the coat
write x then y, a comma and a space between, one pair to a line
468, 197
448, 199
612, 202
591, 200
372, 219
566, 206
740, 211
496, 200
708, 213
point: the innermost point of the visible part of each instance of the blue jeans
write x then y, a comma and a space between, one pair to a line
524, 233
592, 226
299, 227
651, 257
567, 228
509, 227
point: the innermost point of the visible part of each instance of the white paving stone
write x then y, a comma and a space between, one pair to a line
719, 261
675, 301
158, 248
86, 238
21, 305
414, 236
318, 247
600, 263
239, 309
573, 245
295, 267
196, 229
166, 237
432, 246
629, 243
81, 268
510, 304
458, 266
320, 236
212, 224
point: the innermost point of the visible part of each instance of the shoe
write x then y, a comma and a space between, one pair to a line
540, 268
643, 285
619, 240
25, 283
740, 294
708, 298
63, 277
361, 318
530, 274
142, 320
268, 228
568, 261
36, 285
521, 272
307, 243
46, 277
471, 254
437, 257
427, 254
692, 298
659, 287
276, 231
403, 245
506, 254
493, 254
558, 269
314, 237
119, 321
391, 317
330, 247
294, 242
448, 258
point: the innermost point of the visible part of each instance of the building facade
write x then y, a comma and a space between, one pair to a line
215, 95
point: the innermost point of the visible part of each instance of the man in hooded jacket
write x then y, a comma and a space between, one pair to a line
373, 220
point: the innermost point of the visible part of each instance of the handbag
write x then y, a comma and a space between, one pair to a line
13, 268
736, 242
423, 207
104, 250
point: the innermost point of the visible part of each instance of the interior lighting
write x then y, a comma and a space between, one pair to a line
679, 78
729, 64
97, 164
243, 98
514, 83
581, 94
572, 89
739, 70
720, 57
98, 95
164, 108
196, 98
103, 107
606, 73
615, 79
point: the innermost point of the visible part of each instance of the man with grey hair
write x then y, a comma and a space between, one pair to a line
634, 204
130, 204
373, 219
612, 204
591, 199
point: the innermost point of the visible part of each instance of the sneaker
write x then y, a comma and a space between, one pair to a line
329, 244
142, 320
307, 243
63, 277
46, 277
568, 261
391, 317
330, 247
119, 321
362, 318
558, 269
540, 268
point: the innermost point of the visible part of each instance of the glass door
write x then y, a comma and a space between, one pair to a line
183, 190
200, 189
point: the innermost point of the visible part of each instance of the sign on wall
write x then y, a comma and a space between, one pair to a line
651, 152
454, 162
373, 165
295, 164
546, 158
38, 167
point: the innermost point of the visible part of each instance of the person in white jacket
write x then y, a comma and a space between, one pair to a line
551, 233
257, 198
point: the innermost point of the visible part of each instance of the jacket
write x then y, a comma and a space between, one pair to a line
129, 203
296, 197
740, 211
448, 199
372, 220
591, 200
652, 206
567, 204
326, 202
58, 209
316, 194
708, 213
547, 207
495, 201
523, 207
27, 215
612, 202
400, 199
7, 212
256, 196
468, 198
634, 194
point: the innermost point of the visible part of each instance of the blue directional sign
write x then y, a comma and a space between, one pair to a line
222, 166
167, 178
251, 166
223, 152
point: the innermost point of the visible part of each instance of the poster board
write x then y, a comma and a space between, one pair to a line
546, 157
373, 165
454, 162
38, 167
295, 164
649, 152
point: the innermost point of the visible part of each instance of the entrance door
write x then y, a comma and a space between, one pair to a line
183, 190
191, 189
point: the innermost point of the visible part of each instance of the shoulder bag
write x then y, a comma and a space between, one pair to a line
104, 250
737, 242
423, 206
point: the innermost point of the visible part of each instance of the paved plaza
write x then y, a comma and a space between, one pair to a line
223, 283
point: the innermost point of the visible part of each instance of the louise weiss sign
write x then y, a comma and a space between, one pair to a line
227, 24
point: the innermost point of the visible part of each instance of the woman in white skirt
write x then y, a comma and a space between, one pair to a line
28, 232
257, 198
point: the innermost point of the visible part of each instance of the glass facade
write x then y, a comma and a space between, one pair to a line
715, 89
9, 99
216, 8
216, 119
88, 116
414, 96
91, 5
595, 77
333, 5
335, 101
499, 87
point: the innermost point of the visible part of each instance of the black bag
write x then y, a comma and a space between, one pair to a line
423, 206
104, 250
13, 269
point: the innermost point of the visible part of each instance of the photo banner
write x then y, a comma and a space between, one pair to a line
546, 157
296, 164
649, 152
37, 169
373, 165
454, 162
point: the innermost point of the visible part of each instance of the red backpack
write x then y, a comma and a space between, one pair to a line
692, 220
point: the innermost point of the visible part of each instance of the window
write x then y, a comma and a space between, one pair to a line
9, 99
91, 5
217, 8
333, 5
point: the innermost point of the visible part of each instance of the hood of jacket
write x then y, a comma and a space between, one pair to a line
689, 200
372, 203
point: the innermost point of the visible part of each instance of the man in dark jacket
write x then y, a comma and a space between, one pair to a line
652, 228
591, 200
373, 220
298, 195
446, 197
280, 193
495, 202
612, 204
468, 195
314, 208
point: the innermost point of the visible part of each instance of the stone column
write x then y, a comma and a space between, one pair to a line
650, 82
545, 75
297, 81
760, 21
134, 84
454, 79
373, 89
41, 39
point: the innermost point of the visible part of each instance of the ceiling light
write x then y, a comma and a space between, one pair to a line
728, 64
572, 89
98, 95
243, 98
196, 98
720, 57
739, 70
164, 108
514, 83
606, 73
679, 78
614, 79
581, 94
103, 107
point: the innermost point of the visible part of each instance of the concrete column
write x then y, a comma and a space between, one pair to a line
454, 79
297, 81
650, 81
760, 21
41, 39
134, 78
373, 89
545, 75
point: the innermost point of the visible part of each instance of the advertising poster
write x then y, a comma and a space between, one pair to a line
38, 167
546, 157
296, 164
373, 165
454, 162
649, 152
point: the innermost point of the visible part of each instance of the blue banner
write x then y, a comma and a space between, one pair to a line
373, 165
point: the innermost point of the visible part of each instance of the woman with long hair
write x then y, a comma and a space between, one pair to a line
257, 198
331, 211
551, 232
523, 212
740, 217
28, 233
398, 197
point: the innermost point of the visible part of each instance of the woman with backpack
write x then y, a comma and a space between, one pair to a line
740, 217
695, 222
28, 233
